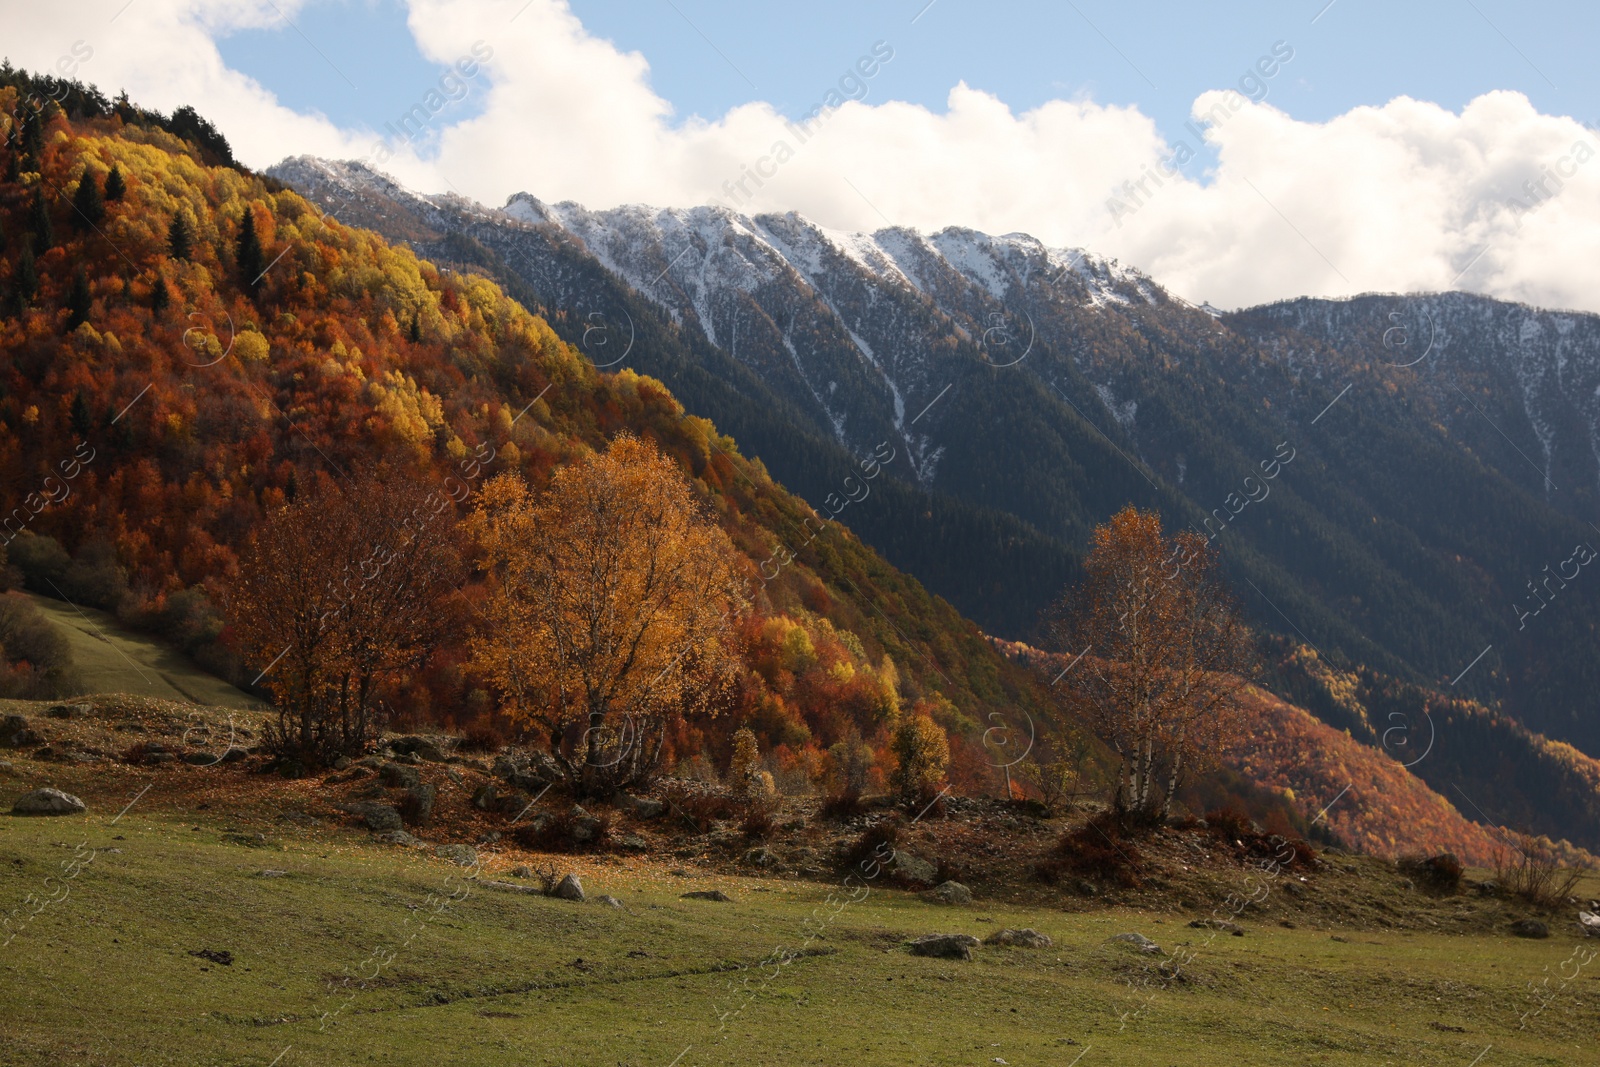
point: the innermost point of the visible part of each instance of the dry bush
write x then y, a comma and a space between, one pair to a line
1230, 826
842, 805
875, 845
554, 834
1526, 867
1439, 874
1101, 848
483, 736
696, 809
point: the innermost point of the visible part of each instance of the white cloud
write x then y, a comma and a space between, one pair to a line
1399, 197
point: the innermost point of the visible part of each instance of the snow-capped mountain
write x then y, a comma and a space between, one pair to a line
1428, 455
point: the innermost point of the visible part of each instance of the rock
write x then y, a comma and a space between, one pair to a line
944, 946
380, 818
6, 768
949, 893
418, 803
396, 776
455, 776
422, 748
1138, 941
609, 901
708, 894
582, 826
1085, 888
512, 887
1488, 888
396, 837
16, 733
1590, 923
1530, 928
641, 807
634, 843
521, 870
913, 868
48, 802
490, 837
70, 711
464, 855
1295, 889
485, 797
760, 857
270, 873
1024, 938
342, 763
1218, 924
569, 888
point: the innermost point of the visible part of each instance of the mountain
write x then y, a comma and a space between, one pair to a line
1383, 501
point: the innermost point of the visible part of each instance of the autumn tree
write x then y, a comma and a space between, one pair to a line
611, 611
180, 239
337, 593
923, 752
1165, 655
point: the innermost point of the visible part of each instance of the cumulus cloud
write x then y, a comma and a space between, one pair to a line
1406, 196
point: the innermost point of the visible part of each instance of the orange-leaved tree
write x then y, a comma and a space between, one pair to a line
1164, 655
338, 593
611, 612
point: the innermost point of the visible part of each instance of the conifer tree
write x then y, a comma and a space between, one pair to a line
88, 206
39, 221
249, 257
79, 301
27, 280
115, 186
159, 297
180, 242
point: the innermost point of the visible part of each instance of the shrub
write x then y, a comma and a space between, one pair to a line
1101, 849
554, 834
875, 845
850, 765
1439, 874
842, 805
483, 736
1528, 868
696, 809
1233, 827
746, 761
923, 750
37, 660
42, 561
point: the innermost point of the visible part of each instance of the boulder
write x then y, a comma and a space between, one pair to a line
1024, 938
569, 888
1530, 928
6, 768
48, 802
418, 803
512, 887
396, 837
944, 946
1218, 924
463, 855
521, 870
16, 733
761, 857
1590, 923
949, 893
708, 894
634, 843
70, 711
1139, 942
380, 818
582, 826
399, 776
423, 748
641, 807
913, 868
609, 901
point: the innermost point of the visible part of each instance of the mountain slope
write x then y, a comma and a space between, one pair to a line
1052, 387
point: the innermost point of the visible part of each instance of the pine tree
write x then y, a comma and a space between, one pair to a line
79, 301
249, 258
115, 186
44, 235
27, 279
33, 136
180, 242
415, 333
88, 206
159, 297
82, 422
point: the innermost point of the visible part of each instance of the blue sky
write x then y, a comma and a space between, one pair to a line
352, 60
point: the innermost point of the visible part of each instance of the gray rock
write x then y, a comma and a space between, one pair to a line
485, 797
342, 763
70, 711
269, 873
1488, 888
397, 837
634, 843
380, 818
464, 855
583, 826
641, 807
397, 776
1530, 928
15, 732
761, 857
1024, 938
1590, 923
1218, 924
1139, 942
419, 802
708, 894
512, 887
6, 768
569, 888
423, 748
521, 870
949, 893
609, 901
913, 868
48, 802
944, 946
247, 840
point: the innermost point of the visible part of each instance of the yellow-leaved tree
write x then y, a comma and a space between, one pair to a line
611, 610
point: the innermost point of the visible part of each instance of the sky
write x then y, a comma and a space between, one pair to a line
1351, 146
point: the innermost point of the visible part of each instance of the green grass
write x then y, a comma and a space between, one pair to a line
112, 659
105, 976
